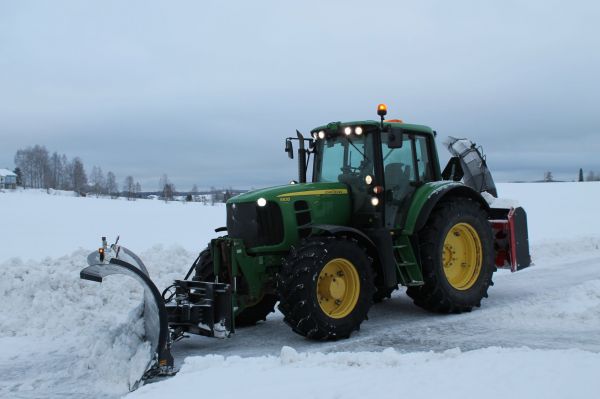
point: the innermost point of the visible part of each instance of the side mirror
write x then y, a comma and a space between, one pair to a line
395, 138
289, 148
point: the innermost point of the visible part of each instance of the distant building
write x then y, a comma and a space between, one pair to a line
7, 179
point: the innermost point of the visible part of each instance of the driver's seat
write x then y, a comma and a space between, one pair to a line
397, 183
397, 180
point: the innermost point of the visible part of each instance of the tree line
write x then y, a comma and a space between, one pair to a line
37, 168
591, 176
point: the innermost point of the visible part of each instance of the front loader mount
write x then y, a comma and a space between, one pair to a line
195, 307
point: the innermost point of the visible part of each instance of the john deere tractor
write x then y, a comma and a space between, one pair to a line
378, 213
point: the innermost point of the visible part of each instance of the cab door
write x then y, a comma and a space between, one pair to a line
405, 167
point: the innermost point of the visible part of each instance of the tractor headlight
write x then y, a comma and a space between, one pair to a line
261, 202
348, 131
368, 179
321, 134
374, 201
358, 130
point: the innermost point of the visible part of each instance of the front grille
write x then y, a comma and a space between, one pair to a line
256, 225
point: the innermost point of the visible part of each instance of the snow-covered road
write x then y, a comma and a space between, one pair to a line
63, 337
552, 305
548, 306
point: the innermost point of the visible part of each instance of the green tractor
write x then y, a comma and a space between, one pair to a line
378, 213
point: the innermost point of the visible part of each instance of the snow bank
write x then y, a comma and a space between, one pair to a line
490, 373
94, 329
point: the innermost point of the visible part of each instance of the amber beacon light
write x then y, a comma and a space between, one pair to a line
382, 111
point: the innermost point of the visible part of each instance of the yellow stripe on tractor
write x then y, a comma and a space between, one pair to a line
316, 192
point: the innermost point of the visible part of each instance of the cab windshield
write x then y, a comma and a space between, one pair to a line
344, 159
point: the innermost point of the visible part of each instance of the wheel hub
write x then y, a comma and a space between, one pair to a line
338, 288
462, 256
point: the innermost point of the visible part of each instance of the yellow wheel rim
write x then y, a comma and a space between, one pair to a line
462, 256
338, 288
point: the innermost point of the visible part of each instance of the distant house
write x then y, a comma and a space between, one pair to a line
7, 179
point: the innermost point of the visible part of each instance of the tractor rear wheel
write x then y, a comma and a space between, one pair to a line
250, 315
326, 288
457, 258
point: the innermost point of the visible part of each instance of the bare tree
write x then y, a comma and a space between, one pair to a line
129, 187
19, 174
192, 196
56, 170
167, 188
97, 181
53, 170
79, 176
548, 177
138, 190
23, 162
111, 185
41, 164
591, 176
67, 173
34, 164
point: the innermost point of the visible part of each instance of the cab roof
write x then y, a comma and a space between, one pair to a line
407, 126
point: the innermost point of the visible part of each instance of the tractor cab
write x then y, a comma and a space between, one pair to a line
382, 164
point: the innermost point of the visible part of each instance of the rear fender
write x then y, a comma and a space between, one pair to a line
429, 195
509, 225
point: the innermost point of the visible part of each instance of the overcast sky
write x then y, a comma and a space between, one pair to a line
206, 91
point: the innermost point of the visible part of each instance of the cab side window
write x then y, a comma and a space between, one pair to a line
398, 158
423, 161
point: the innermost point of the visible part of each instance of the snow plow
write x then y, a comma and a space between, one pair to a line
198, 307
378, 213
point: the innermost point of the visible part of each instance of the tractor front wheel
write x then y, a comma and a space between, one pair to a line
326, 288
457, 257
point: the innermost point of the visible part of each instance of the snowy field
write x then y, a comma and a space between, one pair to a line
537, 335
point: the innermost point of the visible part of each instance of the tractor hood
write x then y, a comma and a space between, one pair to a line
273, 219
287, 192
